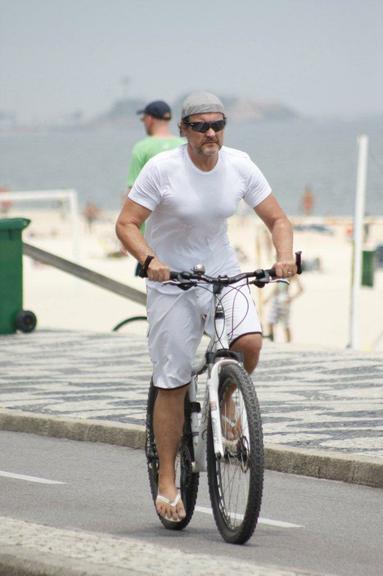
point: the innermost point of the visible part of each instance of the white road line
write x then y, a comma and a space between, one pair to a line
29, 478
279, 523
267, 521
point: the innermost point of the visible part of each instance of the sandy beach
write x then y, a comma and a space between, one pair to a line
320, 316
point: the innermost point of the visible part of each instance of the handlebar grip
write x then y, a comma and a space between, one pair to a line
298, 261
140, 271
271, 272
174, 275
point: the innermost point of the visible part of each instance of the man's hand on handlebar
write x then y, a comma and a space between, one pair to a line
288, 267
158, 272
285, 268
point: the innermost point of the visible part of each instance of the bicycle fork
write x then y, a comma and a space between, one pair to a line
199, 424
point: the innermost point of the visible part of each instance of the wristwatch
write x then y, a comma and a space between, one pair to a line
145, 266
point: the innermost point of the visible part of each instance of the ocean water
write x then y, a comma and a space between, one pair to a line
291, 154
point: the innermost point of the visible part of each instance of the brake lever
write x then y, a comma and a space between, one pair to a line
261, 281
181, 285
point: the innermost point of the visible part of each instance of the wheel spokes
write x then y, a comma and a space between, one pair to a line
233, 468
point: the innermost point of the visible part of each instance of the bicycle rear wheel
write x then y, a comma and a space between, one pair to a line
236, 480
128, 321
186, 480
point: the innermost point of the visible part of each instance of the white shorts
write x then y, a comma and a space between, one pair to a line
176, 325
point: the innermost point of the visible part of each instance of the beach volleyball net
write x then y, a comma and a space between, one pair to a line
52, 212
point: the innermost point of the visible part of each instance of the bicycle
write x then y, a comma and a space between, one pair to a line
129, 321
224, 437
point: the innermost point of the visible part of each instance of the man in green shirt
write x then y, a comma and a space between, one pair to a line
156, 118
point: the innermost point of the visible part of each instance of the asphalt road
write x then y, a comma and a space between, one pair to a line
317, 525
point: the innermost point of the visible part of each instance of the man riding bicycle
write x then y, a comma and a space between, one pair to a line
187, 194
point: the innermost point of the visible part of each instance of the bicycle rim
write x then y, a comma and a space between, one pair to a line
236, 480
186, 480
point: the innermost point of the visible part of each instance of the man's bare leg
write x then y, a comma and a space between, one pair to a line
250, 345
168, 424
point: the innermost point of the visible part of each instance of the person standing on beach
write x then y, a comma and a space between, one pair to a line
187, 195
156, 118
307, 201
91, 212
281, 298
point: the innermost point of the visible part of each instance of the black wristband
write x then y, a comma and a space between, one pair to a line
145, 266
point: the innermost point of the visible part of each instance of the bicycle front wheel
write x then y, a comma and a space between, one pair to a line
186, 480
236, 479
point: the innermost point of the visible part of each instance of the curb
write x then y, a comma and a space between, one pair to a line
325, 465
315, 463
24, 562
73, 429
29, 549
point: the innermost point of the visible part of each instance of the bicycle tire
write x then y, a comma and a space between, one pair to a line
248, 453
128, 321
188, 480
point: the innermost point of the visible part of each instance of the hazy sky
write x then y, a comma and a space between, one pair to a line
319, 56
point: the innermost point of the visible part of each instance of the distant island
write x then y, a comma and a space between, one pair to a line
123, 112
239, 109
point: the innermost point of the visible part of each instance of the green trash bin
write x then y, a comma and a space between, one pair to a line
368, 268
12, 315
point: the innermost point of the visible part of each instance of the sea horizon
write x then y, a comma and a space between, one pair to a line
319, 153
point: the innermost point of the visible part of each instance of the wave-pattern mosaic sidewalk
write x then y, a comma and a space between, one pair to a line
33, 549
321, 399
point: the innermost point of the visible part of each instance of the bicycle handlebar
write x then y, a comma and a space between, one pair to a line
261, 276
224, 280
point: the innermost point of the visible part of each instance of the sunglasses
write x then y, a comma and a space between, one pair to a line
217, 126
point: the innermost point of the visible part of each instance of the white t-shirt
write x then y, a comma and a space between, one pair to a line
190, 207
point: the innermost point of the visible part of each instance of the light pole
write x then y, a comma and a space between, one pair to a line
356, 274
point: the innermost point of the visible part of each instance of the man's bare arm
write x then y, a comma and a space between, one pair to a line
131, 217
282, 235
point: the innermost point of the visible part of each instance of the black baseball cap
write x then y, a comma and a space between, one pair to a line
158, 109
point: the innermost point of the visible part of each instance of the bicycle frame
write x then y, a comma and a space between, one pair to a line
199, 424
211, 399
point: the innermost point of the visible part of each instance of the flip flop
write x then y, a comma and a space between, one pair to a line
172, 503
